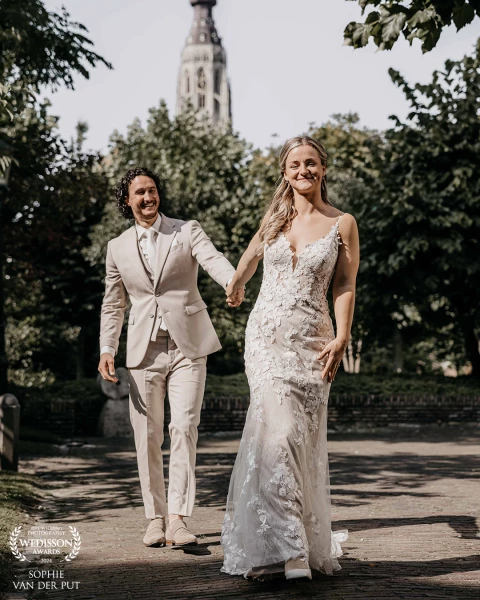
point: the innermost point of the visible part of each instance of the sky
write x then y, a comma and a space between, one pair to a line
287, 65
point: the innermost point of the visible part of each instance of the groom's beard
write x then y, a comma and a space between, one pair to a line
145, 214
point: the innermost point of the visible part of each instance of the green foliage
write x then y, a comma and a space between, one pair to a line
395, 385
38, 48
236, 386
218, 386
426, 207
208, 178
86, 389
205, 169
414, 19
414, 191
405, 385
53, 294
351, 174
56, 194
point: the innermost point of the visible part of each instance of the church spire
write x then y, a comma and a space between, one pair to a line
203, 28
202, 79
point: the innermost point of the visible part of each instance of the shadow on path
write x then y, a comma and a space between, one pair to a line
100, 485
202, 580
111, 470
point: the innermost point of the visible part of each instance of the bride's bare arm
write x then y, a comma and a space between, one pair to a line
247, 266
343, 287
343, 284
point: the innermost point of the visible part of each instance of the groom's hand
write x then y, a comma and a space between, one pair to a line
106, 367
235, 298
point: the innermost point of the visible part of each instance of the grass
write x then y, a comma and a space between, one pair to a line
19, 493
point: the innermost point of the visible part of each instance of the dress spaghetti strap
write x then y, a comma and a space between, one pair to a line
338, 234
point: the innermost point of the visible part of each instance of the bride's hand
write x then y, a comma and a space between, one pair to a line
235, 294
333, 352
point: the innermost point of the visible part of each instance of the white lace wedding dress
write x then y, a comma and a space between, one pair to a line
278, 505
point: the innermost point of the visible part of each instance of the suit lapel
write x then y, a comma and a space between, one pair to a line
132, 254
165, 238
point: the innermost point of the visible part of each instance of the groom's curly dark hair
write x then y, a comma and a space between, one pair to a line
121, 191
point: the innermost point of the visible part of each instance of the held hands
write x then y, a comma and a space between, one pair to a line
106, 367
333, 352
234, 296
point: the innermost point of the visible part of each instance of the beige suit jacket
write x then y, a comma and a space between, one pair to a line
172, 295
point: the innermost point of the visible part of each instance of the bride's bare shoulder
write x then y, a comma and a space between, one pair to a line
347, 221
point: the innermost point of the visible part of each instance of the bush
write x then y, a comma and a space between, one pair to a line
226, 385
405, 385
78, 389
345, 383
87, 391
39, 411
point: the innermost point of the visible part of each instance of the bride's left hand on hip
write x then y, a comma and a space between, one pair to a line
333, 352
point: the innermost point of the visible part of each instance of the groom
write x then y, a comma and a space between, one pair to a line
154, 265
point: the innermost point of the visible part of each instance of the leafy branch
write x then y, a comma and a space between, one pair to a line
414, 19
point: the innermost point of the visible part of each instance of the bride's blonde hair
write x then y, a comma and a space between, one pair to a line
282, 210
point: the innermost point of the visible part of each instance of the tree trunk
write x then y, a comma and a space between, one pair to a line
79, 355
358, 356
471, 344
351, 358
347, 359
3, 353
397, 351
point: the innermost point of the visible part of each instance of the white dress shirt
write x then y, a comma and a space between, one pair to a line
142, 242
142, 239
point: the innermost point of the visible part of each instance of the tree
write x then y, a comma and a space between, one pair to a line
206, 171
426, 212
350, 176
72, 287
414, 19
38, 48
53, 294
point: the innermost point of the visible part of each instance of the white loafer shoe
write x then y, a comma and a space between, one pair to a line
295, 569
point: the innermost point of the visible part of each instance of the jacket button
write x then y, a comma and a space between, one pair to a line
158, 294
151, 315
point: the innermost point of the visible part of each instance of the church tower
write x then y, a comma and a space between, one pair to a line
202, 79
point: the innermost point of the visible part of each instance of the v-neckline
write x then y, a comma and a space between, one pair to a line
294, 253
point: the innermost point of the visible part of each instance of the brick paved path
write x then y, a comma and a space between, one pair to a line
409, 502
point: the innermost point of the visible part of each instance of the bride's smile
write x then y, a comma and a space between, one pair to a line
304, 170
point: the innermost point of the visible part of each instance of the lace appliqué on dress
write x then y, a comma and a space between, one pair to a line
278, 505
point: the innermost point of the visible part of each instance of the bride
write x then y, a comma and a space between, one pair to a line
278, 507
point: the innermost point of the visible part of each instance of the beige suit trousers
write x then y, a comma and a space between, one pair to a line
166, 369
